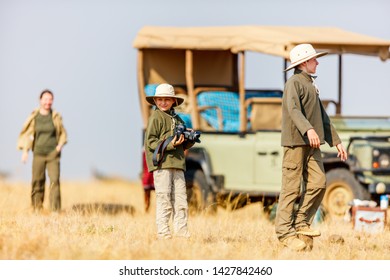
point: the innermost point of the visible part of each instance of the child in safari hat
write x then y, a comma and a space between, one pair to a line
305, 127
165, 158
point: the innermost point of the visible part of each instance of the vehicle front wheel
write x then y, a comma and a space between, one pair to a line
342, 188
199, 194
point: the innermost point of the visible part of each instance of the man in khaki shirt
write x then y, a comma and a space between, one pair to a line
305, 126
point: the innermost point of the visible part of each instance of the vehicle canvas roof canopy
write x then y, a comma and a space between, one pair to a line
273, 40
210, 67
195, 58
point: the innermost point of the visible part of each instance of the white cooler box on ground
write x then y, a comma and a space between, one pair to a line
368, 219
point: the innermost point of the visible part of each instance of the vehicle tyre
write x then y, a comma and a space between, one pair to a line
341, 188
199, 194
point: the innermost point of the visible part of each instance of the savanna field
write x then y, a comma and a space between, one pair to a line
78, 233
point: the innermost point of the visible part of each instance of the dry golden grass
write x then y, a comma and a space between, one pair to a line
243, 234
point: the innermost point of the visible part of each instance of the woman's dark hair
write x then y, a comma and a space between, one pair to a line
46, 91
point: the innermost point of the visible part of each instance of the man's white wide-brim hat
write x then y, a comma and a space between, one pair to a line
165, 90
302, 53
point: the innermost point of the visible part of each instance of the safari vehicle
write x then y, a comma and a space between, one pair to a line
239, 159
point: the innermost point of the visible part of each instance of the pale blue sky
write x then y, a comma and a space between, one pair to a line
82, 50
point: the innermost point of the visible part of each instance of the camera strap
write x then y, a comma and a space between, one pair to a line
158, 154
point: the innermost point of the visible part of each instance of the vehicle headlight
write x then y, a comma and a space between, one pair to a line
384, 161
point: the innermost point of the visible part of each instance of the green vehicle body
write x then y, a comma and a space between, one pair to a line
233, 168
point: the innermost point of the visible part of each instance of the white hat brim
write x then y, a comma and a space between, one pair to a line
296, 63
150, 99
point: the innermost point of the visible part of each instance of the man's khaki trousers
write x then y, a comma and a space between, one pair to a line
40, 163
171, 200
304, 178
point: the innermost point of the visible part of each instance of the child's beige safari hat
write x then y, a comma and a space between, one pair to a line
302, 53
165, 90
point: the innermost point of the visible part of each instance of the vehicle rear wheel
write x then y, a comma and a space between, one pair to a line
199, 194
342, 188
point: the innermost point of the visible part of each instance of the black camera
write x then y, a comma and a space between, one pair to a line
190, 135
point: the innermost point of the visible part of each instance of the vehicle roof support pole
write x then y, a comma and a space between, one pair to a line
338, 107
141, 86
285, 72
241, 91
190, 89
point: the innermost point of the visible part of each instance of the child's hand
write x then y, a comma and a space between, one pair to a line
179, 141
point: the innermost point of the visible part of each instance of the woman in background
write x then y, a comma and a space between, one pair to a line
44, 134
